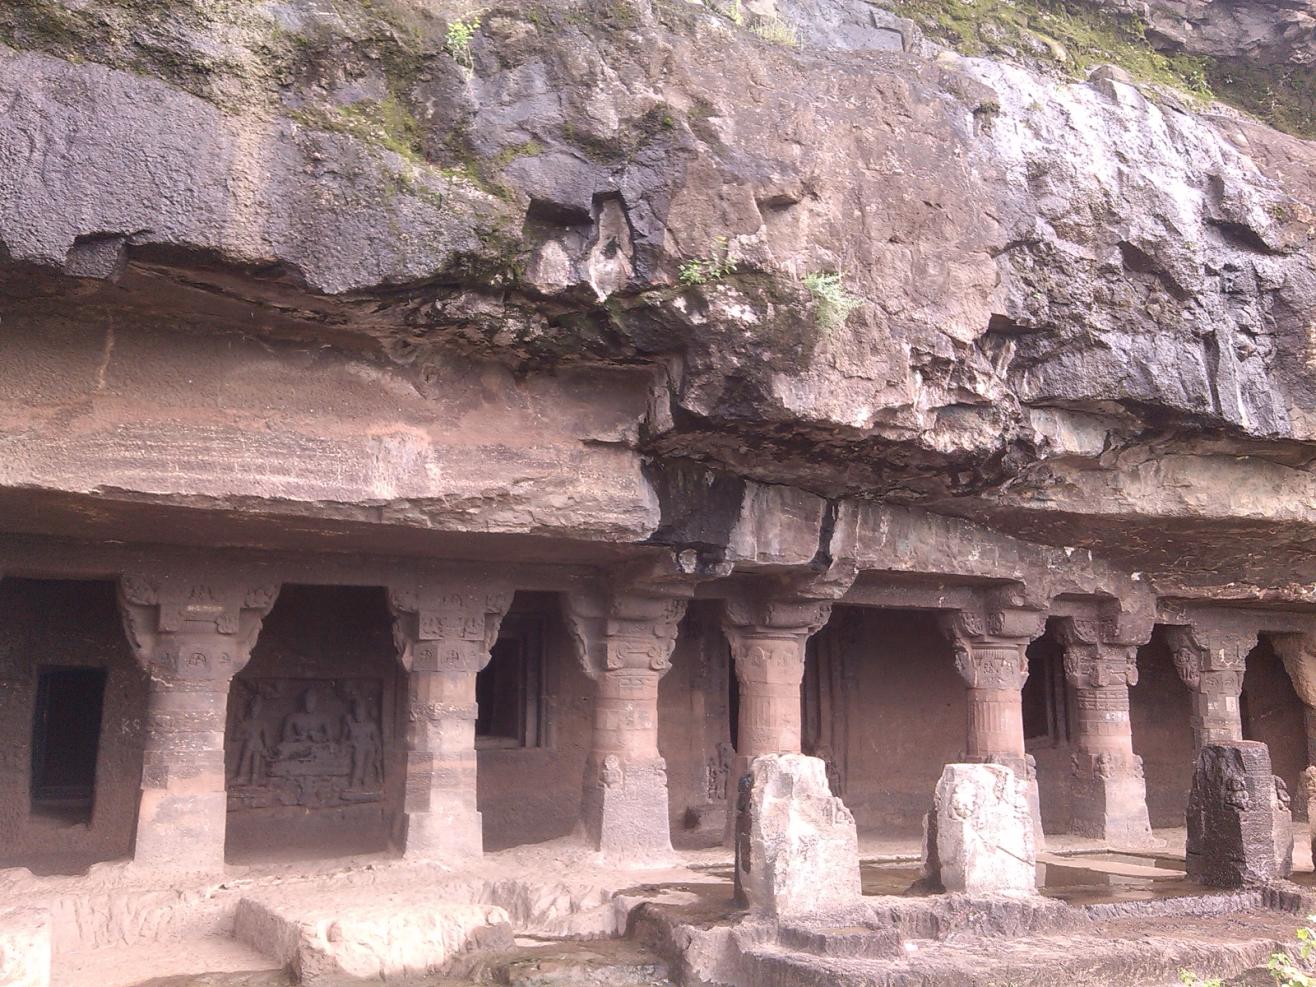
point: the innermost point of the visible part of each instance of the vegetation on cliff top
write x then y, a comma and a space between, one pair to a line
1078, 36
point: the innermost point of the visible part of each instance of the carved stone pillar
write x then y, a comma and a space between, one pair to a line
192, 634
624, 640
990, 655
1298, 653
1110, 793
1210, 662
444, 634
768, 635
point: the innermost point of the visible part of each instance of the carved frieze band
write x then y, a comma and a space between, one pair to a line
192, 628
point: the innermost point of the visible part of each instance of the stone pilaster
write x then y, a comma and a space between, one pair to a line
1210, 662
192, 633
1109, 799
444, 632
990, 654
624, 639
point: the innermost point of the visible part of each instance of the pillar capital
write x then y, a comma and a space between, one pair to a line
1097, 653
991, 643
447, 626
1209, 658
625, 627
193, 626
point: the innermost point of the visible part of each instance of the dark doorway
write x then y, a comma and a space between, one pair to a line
66, 740
1045, 718
733, 700
509, 690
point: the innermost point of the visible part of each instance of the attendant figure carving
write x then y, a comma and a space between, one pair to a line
251, 737
365, 745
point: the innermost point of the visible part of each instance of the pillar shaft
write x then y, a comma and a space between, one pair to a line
1109, 796
192, 636
624, 638
445, 633
990, 655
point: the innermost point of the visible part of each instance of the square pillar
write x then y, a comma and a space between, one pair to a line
445, 632
990, 654
624, 637
1109, 797
192, 634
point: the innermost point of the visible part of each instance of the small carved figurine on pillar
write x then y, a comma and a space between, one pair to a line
624, 638
444, 632
1110, 793
192, 634
990, 655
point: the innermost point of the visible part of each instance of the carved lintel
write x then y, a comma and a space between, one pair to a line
447, 626
626, 626
191, 626
1298, 653
991, 644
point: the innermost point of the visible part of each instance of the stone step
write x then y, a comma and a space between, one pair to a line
557, 963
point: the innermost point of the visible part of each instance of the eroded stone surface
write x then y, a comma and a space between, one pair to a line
25, 947
984, 831
796, 847
1233, 812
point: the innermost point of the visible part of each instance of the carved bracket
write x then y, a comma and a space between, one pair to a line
769, 632
1210, 660
190, 627
1099, 652
627, 627
448, 626
990, 644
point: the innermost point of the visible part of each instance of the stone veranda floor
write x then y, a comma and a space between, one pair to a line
581, 923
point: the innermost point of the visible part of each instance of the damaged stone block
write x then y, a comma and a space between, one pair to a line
982, 832
24, 947
797, 851
324, 939
1236, 825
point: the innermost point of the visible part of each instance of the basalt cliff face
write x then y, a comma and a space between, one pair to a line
568, 268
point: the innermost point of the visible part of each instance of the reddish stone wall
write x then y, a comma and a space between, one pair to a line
55, 622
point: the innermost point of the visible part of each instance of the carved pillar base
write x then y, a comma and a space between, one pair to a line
1109, 800
444, 632
624, 810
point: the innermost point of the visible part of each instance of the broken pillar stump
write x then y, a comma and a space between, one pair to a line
797, 852
1233, 817
980, 833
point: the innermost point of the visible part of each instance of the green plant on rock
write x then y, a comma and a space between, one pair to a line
1288, 971
457, 42
776, 31
832, 303
736, 11
702, 270
1190, 979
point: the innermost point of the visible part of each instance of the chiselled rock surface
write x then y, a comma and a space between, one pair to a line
513, 279
797, 852
1237, 832
983, 831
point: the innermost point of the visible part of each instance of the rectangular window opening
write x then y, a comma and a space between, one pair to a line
66, 741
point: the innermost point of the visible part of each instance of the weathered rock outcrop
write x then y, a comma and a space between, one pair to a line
503, 282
